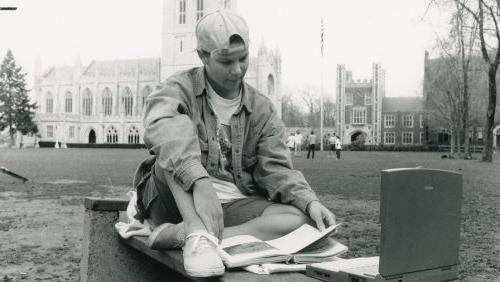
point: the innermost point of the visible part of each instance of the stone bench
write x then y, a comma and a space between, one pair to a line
108, 257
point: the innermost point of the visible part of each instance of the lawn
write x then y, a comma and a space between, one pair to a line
41, 220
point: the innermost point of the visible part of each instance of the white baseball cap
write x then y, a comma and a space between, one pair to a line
215, 30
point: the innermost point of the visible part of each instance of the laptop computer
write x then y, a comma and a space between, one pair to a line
420, 231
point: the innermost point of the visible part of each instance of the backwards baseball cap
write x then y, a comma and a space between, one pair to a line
214, 32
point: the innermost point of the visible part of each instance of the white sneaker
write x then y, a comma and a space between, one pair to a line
201, 256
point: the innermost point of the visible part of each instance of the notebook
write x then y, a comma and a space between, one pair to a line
420, 230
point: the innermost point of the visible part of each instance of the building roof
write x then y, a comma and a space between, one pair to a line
145, 65
110, 67
64, 73
402, 104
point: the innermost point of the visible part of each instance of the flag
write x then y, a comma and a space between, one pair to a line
322, 36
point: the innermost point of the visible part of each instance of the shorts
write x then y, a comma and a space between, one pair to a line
332, 147
160, 207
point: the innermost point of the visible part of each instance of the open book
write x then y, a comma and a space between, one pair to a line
306, 244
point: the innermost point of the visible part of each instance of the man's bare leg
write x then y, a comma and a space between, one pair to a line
276, 220
185, 204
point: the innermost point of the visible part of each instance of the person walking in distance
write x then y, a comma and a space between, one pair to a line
338, 147
311, 140
290, 142
331, 145
298, 143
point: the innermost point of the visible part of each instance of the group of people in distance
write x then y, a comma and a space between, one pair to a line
220, 166
335, 145
295, 141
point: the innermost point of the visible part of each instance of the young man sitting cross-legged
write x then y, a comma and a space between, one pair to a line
221, 166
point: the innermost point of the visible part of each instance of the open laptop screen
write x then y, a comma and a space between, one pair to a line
420, 220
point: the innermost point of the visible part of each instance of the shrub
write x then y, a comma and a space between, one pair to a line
50, 144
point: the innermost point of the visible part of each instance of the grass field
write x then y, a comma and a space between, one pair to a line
41, 220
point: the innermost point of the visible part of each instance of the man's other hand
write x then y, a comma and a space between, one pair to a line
208, 207
320, 215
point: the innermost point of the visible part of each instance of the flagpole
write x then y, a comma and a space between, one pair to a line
321, 88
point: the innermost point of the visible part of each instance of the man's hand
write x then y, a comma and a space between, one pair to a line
320, 214
208, 207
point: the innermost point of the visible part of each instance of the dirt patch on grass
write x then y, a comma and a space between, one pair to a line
41, 245
66, 181
41, 230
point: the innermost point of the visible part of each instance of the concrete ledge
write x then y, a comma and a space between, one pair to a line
173, 259
99, 204
108, 257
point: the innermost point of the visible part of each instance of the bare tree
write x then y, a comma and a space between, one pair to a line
465, 37
291, 113
446, 92
458, 49
312, 104
486, 16
328, 112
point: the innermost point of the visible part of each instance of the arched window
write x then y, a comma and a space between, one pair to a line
87, 102
68, 102
112, 135
145, 93
199, 9
107, 102
270, 85
182, 11
133, 135
49, 103
127, 101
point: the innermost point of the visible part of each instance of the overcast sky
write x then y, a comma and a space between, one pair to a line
357, 34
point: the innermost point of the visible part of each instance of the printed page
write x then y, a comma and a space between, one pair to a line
323, 248
300, 238
245, 249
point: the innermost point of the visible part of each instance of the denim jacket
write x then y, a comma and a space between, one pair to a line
180, 131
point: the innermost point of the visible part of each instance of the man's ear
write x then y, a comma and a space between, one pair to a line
203, 57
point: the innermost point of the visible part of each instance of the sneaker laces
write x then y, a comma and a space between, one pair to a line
202, 239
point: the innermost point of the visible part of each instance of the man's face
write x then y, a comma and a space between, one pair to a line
226, 71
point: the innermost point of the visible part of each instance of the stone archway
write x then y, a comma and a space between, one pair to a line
92, 136
270, 85
359, 136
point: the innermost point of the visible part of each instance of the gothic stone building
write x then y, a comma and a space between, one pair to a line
363, 111
102, 102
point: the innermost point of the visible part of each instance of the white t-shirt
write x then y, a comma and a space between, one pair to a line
338, 144
298, 139
290, 141
224, 109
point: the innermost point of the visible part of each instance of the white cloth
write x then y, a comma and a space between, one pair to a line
269, 268
133, 227
226, 191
